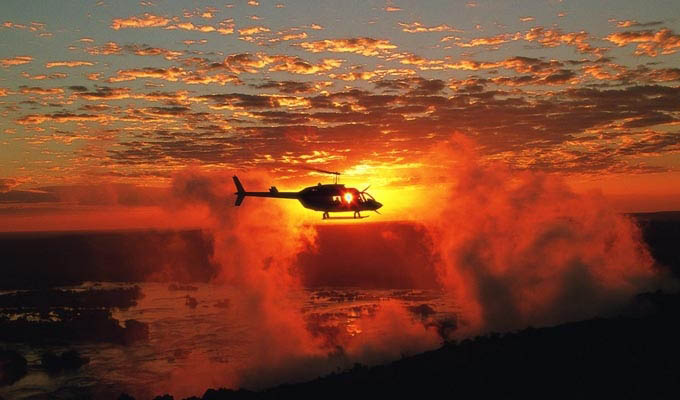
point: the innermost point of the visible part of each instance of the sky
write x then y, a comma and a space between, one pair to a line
111, 99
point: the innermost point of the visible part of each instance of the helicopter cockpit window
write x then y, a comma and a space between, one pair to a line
336, 199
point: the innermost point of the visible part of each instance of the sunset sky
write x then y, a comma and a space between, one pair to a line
117, 96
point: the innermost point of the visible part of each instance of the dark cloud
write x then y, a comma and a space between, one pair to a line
528, 122
78, 88
27, 196
416, 86
240, 100
6, 184
177, 110
287, 87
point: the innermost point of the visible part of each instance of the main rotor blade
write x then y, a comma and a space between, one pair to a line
364, 191
323, 171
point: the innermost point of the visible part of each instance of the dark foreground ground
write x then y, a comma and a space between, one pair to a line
625, 357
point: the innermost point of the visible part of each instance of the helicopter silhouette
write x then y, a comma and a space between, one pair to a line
328, 198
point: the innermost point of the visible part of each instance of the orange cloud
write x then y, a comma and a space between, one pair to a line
40, 91
282, 37
105, 50
555, 37
533, 65
40, 77
649, 43
9, 24
296, 65
220, 79
417, 27
614, 72
412, 59
294, 36
291, 101
145, 21
519, 64
68, 64
36, 119
391, 9
599, 72
252, 30
3, 92
364, 46
18, 60
114, 48
244, 62
487, 41
189, 26
224, 27
353, 76
171, 74
469, 65
664, 75
626, 23
192, 42
466, 65
107, 93
155, 51
35, 27
206, 13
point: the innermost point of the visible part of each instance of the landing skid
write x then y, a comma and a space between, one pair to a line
357, 215
361, 217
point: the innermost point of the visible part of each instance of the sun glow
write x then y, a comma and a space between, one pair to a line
348, 197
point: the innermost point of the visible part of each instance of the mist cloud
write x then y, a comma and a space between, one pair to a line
521, 248
511, 248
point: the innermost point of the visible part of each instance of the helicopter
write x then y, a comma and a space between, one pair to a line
328, 198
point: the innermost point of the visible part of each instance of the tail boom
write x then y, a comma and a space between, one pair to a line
272, 193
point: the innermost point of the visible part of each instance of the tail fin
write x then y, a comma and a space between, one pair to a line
240, 192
